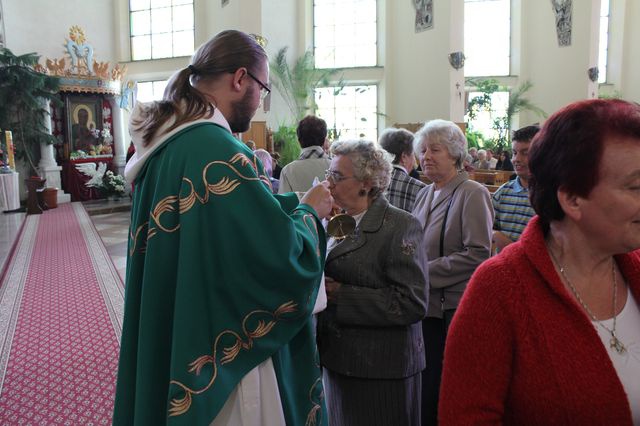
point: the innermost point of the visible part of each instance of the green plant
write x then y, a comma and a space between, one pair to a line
285, 142
517, 103
612, 95
23, 95
482, 102
475, 138
295, 84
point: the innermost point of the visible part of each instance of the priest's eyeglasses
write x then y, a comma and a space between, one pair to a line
264, 89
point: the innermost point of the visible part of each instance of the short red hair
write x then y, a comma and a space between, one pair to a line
567, 151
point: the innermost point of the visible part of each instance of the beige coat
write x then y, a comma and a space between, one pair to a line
467, 237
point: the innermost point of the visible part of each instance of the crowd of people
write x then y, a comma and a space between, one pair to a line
243, 307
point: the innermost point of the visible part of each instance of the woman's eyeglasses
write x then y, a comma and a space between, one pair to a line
335, 177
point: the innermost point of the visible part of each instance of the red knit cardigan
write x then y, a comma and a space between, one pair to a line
522, 351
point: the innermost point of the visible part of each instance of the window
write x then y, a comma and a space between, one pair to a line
147, 91
487, 37
485, 120
161, 28
603, 50
349, 111
345, 33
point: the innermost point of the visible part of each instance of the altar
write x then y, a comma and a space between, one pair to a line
9, 191
78, 174
88, 125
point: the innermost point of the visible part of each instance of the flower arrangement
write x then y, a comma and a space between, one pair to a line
103, 135
78, 154
112, 184
102, 148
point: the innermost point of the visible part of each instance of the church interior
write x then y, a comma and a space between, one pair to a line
490, 66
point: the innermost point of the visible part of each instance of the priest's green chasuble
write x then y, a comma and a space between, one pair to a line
221, 275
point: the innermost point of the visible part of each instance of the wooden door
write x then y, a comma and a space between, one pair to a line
257, 133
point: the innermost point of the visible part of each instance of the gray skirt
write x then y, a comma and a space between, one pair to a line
354, 401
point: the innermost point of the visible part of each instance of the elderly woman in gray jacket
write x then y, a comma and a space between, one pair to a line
370, 335
456, 217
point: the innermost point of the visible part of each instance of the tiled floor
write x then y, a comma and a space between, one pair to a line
114, 229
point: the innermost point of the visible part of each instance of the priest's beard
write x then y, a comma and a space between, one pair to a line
243, 112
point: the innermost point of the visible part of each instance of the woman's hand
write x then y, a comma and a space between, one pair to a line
319, 197
332, 287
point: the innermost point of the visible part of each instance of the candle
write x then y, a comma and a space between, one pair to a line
10, 158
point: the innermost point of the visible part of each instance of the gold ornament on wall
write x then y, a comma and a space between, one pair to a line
262, 41
79, 71
456, 59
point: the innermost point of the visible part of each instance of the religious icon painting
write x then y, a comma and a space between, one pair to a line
424, 14
84, 122
563, 11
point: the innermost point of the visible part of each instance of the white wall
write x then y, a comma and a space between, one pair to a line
630, 60
42, 26
282, 33
416, 67
558, 74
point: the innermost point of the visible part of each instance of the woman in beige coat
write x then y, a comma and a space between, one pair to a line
456, 216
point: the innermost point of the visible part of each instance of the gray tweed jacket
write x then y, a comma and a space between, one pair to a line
373, 330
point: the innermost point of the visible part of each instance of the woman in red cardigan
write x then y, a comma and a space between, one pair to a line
548, 332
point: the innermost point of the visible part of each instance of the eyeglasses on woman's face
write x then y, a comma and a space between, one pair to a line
335, 176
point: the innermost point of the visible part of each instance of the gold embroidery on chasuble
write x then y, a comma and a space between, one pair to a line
229, 353
310, 222
316, 395
134, 237
224, 186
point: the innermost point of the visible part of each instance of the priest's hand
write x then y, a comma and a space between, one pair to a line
319, 197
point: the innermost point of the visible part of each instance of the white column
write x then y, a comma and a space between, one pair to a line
49, 169
456, 76
120, 138
594, 48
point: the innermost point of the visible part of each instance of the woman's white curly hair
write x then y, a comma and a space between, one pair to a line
370, 163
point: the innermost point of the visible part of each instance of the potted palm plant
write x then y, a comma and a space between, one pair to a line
518, 102
23, 96
296, 84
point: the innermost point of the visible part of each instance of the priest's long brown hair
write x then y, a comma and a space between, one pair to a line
224, 53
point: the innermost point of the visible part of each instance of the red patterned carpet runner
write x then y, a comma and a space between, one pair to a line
61, 304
